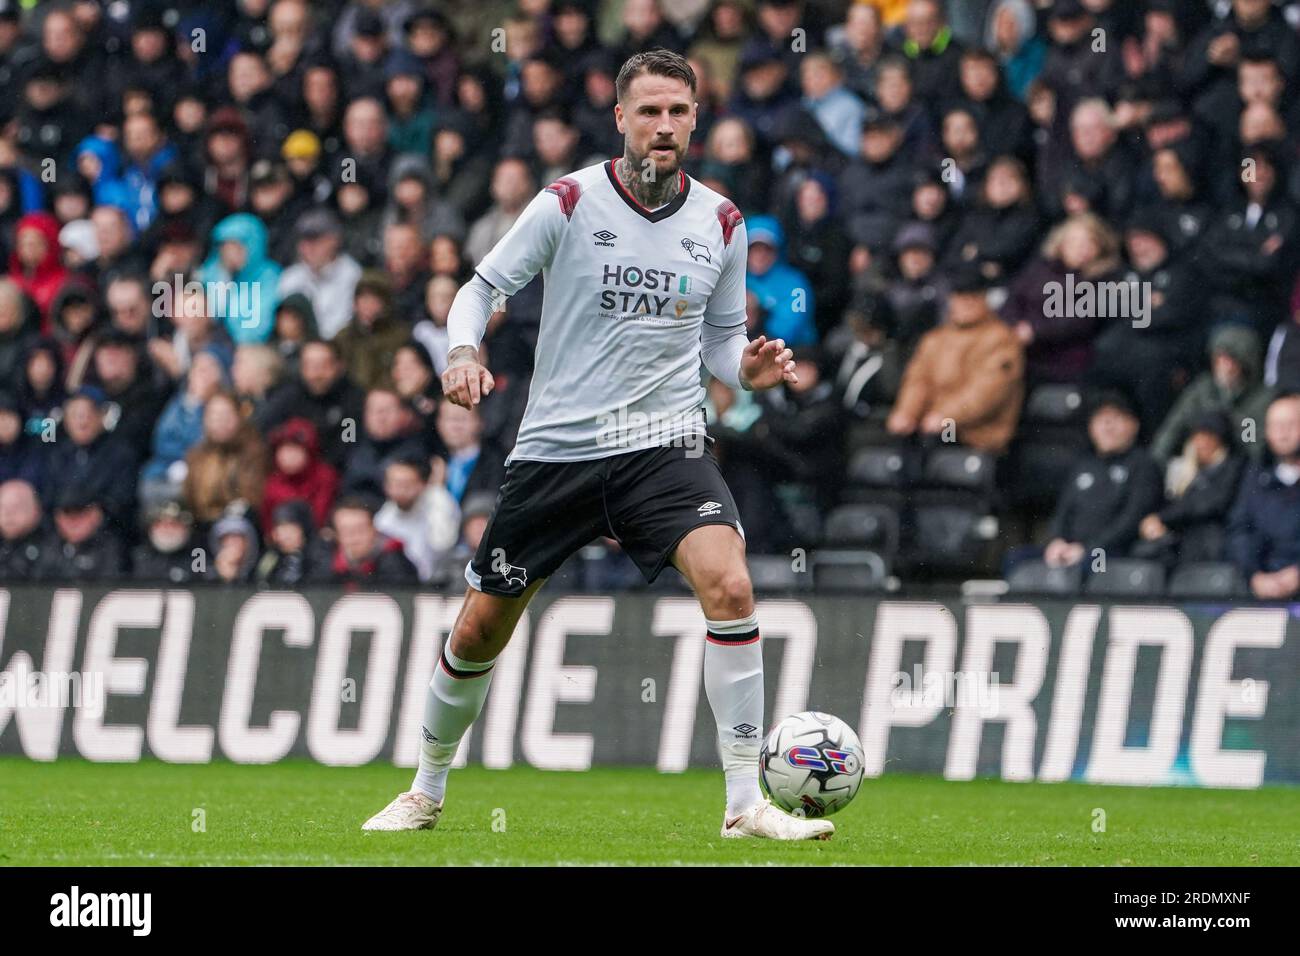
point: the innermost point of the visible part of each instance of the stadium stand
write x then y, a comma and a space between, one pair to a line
1038, 261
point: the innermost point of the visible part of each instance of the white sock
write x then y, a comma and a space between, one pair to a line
733, 681
454, 701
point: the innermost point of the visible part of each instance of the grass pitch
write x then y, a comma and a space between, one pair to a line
75, 813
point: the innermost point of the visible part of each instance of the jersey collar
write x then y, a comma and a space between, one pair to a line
663, 212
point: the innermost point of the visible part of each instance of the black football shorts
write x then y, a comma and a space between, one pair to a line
646, 500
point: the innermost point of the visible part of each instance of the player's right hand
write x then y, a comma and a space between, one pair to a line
466, 383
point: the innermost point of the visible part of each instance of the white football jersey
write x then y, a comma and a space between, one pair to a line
627, 289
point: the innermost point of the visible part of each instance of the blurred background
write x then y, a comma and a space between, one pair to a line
1037, 261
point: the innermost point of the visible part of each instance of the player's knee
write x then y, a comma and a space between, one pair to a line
477, 633
470, 641
732, 591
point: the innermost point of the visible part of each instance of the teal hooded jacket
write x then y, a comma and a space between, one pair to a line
245, 301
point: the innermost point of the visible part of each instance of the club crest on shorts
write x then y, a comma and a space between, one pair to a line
514, 575
697, 250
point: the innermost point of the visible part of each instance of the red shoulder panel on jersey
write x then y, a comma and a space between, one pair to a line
568, 192
729, 218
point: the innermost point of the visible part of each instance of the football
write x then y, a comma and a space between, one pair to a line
811, 764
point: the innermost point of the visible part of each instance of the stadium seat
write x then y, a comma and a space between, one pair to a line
1054, 404
1050, 438
849, 571
1038, 467
1036, 577
880, 475
951, 536
1206, 579
1127, 577
957, 467
863, 526
775, 572
883, 467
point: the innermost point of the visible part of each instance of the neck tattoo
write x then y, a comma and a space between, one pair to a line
651, 194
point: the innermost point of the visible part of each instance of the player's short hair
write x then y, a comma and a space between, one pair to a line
658, 62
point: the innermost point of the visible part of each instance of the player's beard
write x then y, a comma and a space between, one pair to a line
664, 185
675, 163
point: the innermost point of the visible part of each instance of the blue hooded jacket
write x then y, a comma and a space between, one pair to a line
105, 189
141, 182
783, 291
180, 427
248, 309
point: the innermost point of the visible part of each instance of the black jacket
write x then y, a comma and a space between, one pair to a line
106, 466
876, 198
999, 241
19, 558
327, 412
100, 558
1183, 223
133, 412
150, 564
1105, 499
1264, 524
387, 565
365, 468
1200, 515
1233, 257
287, 571
1274, 40
1003, 122
1077, 72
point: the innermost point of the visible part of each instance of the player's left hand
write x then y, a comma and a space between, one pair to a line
766, 364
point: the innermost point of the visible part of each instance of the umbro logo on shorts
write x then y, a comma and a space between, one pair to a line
604, 238
746, 731
428, 736
709, 508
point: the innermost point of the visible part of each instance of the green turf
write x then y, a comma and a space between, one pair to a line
73, 812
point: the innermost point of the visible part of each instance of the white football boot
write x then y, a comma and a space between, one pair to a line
408, 811
765, 820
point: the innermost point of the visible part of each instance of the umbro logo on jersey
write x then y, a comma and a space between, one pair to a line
697, 250
709, 508
604, 238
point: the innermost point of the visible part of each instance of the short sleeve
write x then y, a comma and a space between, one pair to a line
528, 246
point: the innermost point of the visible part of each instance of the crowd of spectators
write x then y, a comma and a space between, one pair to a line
920, 181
